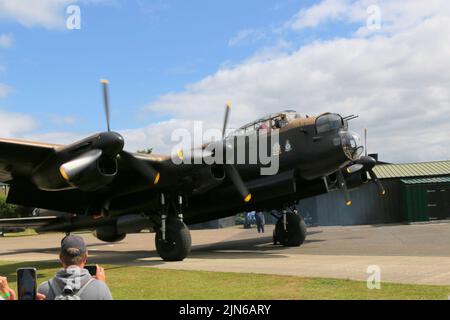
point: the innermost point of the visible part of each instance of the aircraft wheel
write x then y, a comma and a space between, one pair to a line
178, 241
295, 234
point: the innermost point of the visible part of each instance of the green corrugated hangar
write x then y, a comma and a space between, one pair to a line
416, 192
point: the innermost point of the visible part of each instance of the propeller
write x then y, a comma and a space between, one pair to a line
230, 169
367, 164
372, 173
377, 181
144, 169
225, 120
106, 102
343, 186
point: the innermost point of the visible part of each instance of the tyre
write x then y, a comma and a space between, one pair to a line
295, 233
178, 241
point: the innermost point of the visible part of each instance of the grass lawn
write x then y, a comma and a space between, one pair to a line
155, 284
26, 233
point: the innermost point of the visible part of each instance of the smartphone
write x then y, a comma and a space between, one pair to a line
92, 270
27, 283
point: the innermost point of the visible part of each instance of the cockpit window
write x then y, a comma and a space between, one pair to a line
267, 124
329, 122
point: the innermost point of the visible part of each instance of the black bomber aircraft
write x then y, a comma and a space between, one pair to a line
94, 184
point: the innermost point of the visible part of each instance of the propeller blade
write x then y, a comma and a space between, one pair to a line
368, 162
234, 176
74, 168
225, 120
377, 181
230, 169
343, 187
106, 102
363, 163
144, 169
354, 168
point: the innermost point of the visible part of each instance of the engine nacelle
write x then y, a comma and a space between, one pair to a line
108, 234
90, 171
356, 179
208, 177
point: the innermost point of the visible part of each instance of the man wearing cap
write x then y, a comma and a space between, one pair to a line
73, 279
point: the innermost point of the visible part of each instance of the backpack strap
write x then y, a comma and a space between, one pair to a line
80, 292
53, 287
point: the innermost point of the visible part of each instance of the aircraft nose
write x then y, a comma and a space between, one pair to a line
351, 144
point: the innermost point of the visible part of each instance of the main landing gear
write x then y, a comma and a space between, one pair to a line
173, 240
290, 230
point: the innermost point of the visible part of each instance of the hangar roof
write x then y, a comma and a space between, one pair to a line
427, 180
410, 170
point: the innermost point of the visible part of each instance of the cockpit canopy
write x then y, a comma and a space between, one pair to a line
329, 122
276, 120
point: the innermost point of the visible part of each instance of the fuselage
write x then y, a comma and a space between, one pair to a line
303, 152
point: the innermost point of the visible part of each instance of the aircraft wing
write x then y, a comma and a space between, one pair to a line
31, 223
18, 158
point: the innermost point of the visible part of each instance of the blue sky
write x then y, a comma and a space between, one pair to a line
145, 49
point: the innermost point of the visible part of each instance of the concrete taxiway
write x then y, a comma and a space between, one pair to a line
418, 254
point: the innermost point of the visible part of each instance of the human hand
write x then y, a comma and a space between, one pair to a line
100, 275
40, 296
5, 290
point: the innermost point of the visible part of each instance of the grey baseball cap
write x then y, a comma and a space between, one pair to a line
73, 245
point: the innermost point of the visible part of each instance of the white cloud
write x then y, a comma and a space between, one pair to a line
62, 137
395, 15
41, 13
4, 90
46, 13
398, 82
247, 36
63, 120
14, 124
322, 12
5, 41
156, 136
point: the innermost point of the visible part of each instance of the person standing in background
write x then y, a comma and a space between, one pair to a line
260, 221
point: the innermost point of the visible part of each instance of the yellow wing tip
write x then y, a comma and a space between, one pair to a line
248, 198
157, 178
